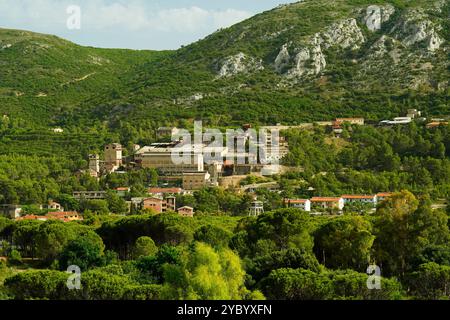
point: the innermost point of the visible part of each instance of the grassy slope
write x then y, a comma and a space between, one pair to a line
43, 75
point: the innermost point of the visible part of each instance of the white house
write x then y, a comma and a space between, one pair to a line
328, 203
364, 199
302, 204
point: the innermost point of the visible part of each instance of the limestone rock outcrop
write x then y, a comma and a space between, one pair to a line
239, 63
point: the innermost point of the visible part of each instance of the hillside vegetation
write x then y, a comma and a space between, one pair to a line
310, 60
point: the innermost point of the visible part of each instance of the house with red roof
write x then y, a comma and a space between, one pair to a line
164, 191
328, 203
32, 217
361, 199
159, 204
65, 216
302, 204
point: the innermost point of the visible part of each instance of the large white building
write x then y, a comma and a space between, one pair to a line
168, 159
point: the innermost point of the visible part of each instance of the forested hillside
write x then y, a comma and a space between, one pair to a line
306, 61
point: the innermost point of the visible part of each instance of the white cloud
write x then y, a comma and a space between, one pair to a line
130, 15
137, 24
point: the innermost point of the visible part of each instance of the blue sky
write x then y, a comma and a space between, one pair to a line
134, 24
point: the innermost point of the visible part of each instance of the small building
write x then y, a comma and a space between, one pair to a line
113, 157
328, 203
60, 216
396, 121
186, 211
11, 211
122, 191
436, 124
94, 165
65, 216
32, 217
159, 205
302, 204
256, 208
153, 203
363, 199
164, 191
195, 180
89, 195
337, 128
52, 205
414, 113
353, 121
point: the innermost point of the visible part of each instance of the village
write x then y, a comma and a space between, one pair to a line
185, 178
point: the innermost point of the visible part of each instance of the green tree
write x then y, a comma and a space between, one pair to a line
116, 204
38, 284
52, 237
14, 257
299, 284
404, 229
97, 206
213, 235
207, 274
431, 282
261, 266
144, 246
86, 251
276, 230
25, 237
344, 243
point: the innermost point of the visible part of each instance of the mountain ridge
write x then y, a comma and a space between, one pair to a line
294, 63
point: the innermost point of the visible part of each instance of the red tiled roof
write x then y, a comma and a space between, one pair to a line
63, 214
384, 194
296, 200
122, 189
30, 217
436, 124
325, 199
165, 190
358, 197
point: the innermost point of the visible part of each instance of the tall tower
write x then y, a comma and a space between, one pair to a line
94, 163
113, 156
256, 208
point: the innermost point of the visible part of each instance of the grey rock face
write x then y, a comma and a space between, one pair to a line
283, 59
415, 27
344, 34
239, 63
375, 16
309, 59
